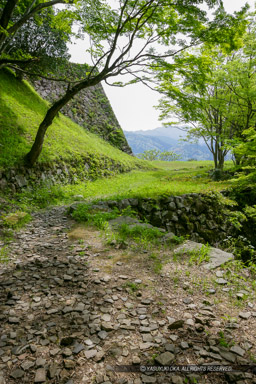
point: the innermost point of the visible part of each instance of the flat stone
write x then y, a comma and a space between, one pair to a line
184, 345
53, 369
102, 335
69, 364
136, 360
245, 315
170, 347
66, 352
144, 346
90, 354
78, 348
187, 300
217, 256
26, 365
176, 324
40, 362
148, 379
228, 356
106, 317
165, 358
40, 376
147, 337
17, 374
13, 320
190, 322
177, 380
221, 281
211, 291
238, 350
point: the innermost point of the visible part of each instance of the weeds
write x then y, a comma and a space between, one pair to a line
16, 220
133, 287
4, 256
223, 340
200, 255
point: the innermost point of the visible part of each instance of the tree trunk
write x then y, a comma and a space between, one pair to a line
37, 146
5, 18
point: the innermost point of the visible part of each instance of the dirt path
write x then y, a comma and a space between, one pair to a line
71, 309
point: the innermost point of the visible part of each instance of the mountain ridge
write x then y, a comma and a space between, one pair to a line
164, 139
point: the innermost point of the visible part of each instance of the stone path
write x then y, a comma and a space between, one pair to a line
72, 310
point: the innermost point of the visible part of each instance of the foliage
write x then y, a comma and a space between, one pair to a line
42, 40
177, 239
214, 91
236, 218
16, 219
41, 196
200, 255
241, 247
84, 213
139, 233
36, 29
4, 257
250, 212
154, 154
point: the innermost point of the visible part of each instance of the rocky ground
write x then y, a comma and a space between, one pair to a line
72, 309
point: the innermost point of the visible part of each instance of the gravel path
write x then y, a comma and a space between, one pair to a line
71, 310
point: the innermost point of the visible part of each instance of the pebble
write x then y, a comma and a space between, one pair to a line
221, 281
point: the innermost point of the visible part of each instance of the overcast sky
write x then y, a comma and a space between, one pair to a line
134, 104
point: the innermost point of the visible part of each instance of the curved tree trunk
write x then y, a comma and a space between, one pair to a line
37, 146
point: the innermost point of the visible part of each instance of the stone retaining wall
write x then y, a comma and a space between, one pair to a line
70, 172
201, 216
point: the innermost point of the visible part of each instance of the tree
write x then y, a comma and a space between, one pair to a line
215, 93
124, 41
198, 97
18, 20
169, 156
150, 155
155, 154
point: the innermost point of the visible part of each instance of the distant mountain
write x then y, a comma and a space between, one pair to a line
167, 139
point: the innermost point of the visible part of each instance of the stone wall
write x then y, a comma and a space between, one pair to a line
81, 169
90, 108
201, 216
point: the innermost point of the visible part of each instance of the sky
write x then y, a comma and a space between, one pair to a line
134, 104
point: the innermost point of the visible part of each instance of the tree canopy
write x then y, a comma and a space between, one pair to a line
214, 91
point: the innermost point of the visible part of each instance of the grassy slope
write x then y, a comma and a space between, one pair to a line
22, 110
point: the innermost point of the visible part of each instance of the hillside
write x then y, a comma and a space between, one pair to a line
167, 139
21, 111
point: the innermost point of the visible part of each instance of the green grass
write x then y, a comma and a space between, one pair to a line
137, 183
149, 184
22, 110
